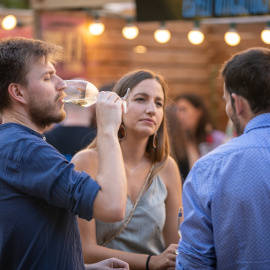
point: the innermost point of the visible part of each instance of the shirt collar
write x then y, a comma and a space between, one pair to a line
9, 124
259, 121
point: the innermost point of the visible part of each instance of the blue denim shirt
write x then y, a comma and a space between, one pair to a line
226, 200
40, 196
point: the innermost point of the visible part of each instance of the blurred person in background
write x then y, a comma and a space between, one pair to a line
75, 132
107, 86
197, 134
177, 141
147, 236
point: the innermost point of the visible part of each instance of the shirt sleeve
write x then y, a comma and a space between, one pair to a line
196, 247
46, 174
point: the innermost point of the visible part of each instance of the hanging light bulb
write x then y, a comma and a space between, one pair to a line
265, 34
162, 35
9, 22
140, 49
231, 37
130, 31
195, 36
96, 28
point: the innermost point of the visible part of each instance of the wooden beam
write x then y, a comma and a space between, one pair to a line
62, 4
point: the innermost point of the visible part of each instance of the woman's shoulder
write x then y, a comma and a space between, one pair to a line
85, 154
85, 157
170, 170
169, 164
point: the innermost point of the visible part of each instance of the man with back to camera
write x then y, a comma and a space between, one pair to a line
40, 192
226, 196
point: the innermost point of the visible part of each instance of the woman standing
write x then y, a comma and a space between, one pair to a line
154, 185
199, 137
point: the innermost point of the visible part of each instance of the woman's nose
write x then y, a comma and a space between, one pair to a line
151, 107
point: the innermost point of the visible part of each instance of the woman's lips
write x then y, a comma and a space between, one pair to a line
149, 121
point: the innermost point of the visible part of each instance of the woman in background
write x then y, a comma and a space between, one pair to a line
153, 180
198, 137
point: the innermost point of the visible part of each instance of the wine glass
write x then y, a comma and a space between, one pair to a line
180, 219
80, 93
84, 94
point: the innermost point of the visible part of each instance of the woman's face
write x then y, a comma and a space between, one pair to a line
188, 115
145, 108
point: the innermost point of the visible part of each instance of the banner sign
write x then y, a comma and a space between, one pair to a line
165, 10
223, 8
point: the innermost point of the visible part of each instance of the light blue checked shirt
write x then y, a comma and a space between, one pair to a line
226, 200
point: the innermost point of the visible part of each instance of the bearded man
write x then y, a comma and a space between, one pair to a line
41, 194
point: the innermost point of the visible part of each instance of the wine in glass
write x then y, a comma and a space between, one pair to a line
84, 94
80, 93
180, 219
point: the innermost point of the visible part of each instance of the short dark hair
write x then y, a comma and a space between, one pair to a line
247, 74
16, 56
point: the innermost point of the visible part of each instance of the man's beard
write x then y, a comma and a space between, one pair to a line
44, 115
236, 123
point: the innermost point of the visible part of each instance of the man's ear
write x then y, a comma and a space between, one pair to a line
17, 92
238, 104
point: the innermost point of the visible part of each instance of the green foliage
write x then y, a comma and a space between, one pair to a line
15, 4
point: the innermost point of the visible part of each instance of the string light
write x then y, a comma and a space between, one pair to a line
130, 31
232, 37
162, 35
140, 49
9, 22
96, 28
265, 34
195, 36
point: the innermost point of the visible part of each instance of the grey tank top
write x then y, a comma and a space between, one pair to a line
143, 234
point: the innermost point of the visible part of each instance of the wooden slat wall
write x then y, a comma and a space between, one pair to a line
111, 55
186, 67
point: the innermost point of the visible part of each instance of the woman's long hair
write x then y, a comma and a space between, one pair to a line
205, 124
159, 154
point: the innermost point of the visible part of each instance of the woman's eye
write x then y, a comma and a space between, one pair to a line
159, 104
139, 99
47, 78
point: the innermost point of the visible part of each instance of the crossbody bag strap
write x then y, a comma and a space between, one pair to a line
133, 209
